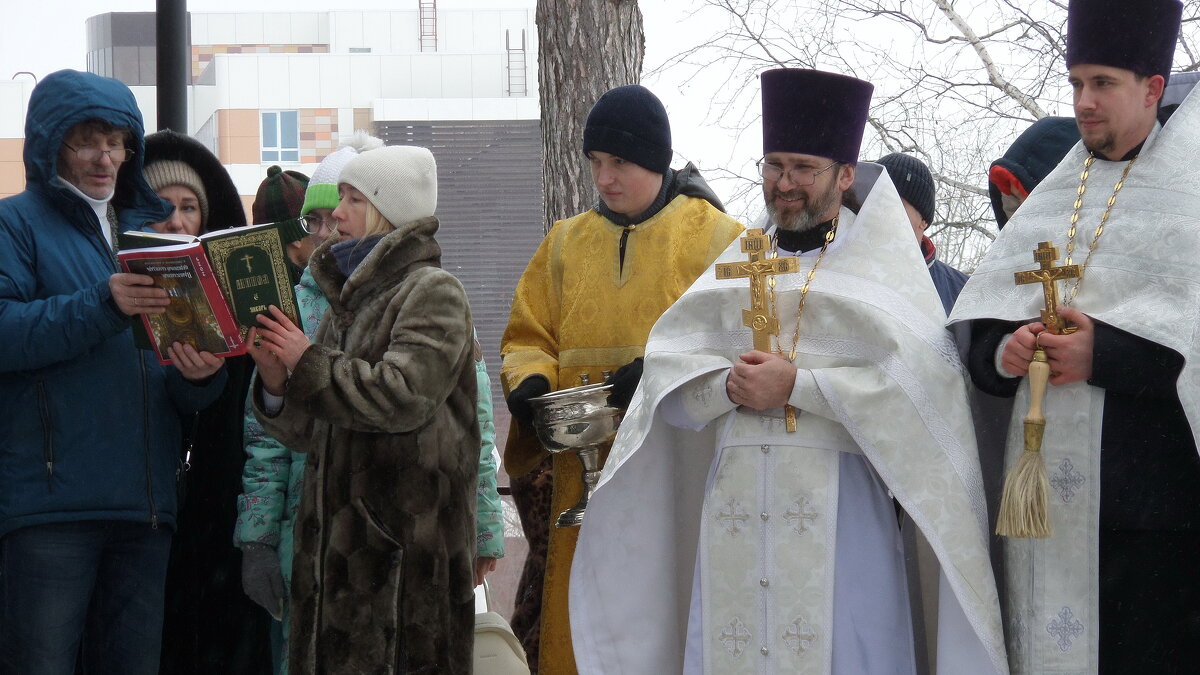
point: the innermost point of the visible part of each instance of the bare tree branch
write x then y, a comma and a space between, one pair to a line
955, 82
993, 71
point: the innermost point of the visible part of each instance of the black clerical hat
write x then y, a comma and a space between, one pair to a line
1137, 35
814, 113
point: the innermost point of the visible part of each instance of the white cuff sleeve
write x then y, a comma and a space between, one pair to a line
1000, 358
272, 404
807, 396
694, 404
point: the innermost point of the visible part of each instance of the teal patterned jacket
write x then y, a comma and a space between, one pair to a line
273, 476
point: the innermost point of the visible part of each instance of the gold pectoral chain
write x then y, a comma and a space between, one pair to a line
1087, 165
812, 272
789, 413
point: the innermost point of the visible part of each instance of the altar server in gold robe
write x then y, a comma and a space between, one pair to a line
585, 304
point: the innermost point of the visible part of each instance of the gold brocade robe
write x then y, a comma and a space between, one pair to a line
578, 310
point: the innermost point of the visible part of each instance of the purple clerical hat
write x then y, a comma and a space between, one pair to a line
814, 113
1137, 35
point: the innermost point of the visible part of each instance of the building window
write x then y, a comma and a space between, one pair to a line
281, 136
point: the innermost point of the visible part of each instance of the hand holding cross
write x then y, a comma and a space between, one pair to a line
1024, 500
760, 318
1048, 275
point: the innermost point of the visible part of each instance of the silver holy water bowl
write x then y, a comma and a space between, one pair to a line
577, 420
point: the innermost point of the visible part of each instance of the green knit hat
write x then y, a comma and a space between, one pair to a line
320, 196
322, 190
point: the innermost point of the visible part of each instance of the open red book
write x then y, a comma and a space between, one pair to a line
218, 283
198, 314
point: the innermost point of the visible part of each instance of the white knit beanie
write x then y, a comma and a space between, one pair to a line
400, 180
322, 187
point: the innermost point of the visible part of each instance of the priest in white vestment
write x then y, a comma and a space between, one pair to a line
720, 542
1113, 589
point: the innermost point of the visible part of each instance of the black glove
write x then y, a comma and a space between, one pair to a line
262, 579
518, 399
625, 382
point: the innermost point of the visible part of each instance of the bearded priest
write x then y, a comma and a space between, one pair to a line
1112, 589
720, 540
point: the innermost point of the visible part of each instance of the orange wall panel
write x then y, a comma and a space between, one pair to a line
12, 166
241, 122
248, 203
239, 141
363, 120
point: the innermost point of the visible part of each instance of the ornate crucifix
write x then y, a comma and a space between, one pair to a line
757, 268
759, 317
1048, 276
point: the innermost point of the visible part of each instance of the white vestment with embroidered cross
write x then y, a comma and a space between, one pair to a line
699, 542
1142, 279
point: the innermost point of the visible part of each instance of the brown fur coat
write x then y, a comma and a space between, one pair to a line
384, 402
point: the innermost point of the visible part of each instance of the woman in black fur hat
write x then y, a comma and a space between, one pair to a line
209, 625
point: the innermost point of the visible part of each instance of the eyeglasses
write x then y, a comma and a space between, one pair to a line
314, 224
91, 154
801, 176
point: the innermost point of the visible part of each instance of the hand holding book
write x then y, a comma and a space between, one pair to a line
216, 285
278, 345
193, 365
136, 294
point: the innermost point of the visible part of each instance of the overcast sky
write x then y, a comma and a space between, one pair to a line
47, 35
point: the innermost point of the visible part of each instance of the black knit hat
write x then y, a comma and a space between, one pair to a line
913, 181
1137, 35
814, 113
631, 123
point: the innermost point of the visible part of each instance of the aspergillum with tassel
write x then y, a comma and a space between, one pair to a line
1025, 502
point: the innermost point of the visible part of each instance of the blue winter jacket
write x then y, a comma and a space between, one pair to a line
948, 281
89, 424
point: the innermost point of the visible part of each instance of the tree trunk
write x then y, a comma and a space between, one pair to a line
585, 48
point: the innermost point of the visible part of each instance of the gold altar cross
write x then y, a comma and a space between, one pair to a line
759, 318
1048, 275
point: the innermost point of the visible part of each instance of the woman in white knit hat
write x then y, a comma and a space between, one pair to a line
383, 400
272, 479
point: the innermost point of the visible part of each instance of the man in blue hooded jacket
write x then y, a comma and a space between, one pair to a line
89, 428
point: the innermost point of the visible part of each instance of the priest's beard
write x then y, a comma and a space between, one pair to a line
1101, 146
808, 217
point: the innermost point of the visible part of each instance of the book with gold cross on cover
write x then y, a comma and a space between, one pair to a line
218, 283
757, 268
